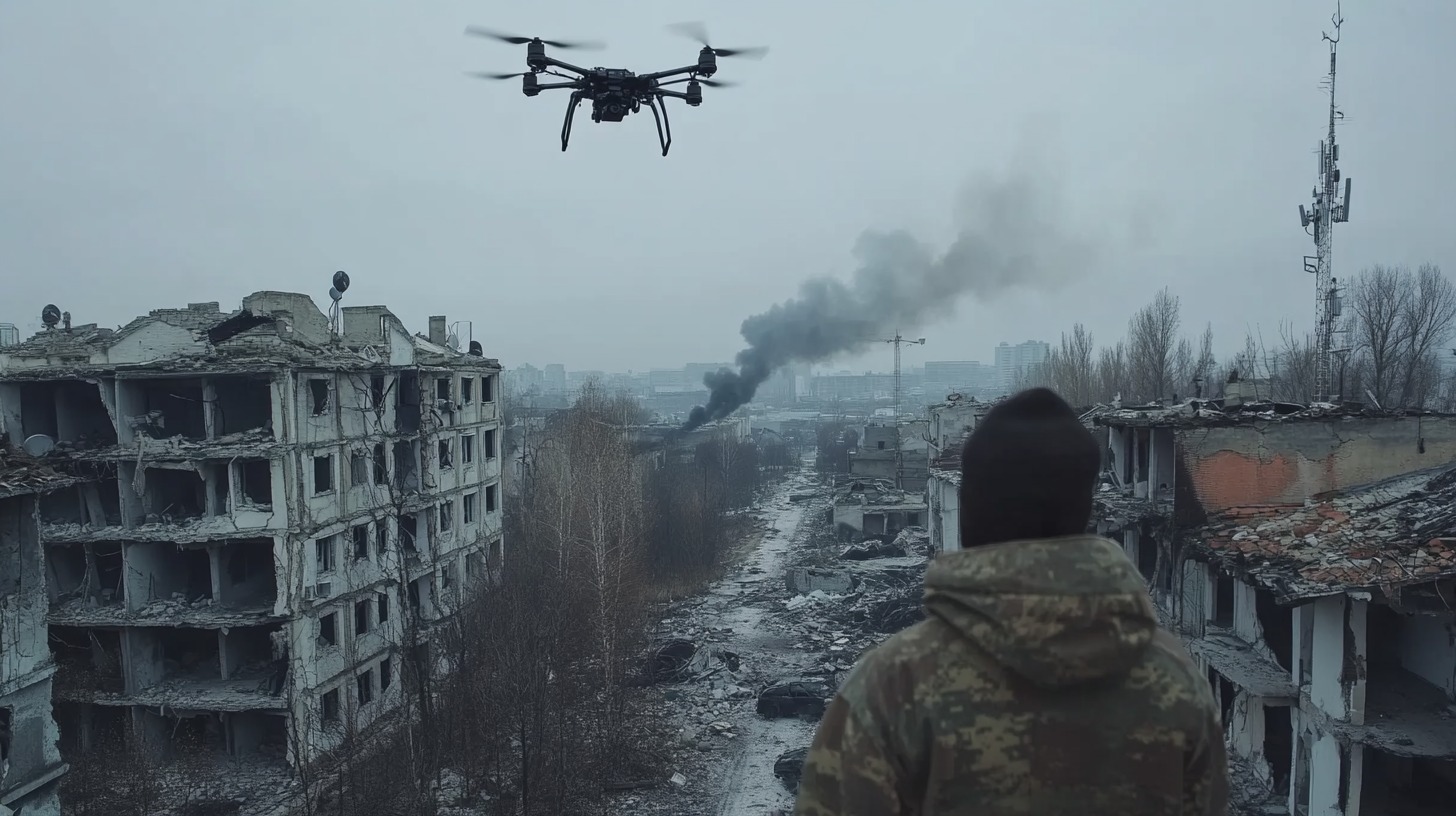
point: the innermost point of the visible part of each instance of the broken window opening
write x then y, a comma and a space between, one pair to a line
174, 495
7, 728
361, 618
408, 529
318, 396
442, 389
89, 505
413, 595
447, 515
248, 652
361, 542
329, 706
242, 405
376, 392
406, 466
491, 497
383, 606
467, 449
92, 572
168, 573
474, 565
381, 537
495, 553
444, 453
487, 388
328, 629
407, 412
256, 483
1278, 625
487, 443
447, 575
364, 685
323, 555
358, 468
386, 674
1222, 613
250, 581
381, 465
467, 509
171, 408
68, 411
323, 474
87, 660
467, 390
1279, 746
1147, 558
188, 654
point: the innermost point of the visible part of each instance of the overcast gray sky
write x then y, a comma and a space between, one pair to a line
154, 153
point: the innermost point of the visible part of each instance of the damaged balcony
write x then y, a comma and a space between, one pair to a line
161, 584
72, 412
195, 412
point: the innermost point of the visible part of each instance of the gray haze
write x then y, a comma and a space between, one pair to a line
169, 151
1012, 232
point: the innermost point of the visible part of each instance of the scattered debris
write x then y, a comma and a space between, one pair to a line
789, 768
678, 779
804, 580
798, 698
871, 548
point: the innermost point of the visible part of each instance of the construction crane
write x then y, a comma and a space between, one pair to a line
899, 341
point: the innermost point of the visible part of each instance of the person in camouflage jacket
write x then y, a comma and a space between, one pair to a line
1040, 682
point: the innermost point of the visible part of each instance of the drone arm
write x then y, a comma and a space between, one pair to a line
673, 94
549, 86
565, 66
570, 112
664, 127
691, 69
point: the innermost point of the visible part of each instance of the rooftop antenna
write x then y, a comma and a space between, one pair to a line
336, 293
1328, 209
50, 316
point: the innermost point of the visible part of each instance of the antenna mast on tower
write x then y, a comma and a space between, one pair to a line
1329, 208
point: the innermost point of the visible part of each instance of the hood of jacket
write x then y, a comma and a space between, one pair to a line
1056, 611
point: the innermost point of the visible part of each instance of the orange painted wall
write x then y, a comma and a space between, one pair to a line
1286, 462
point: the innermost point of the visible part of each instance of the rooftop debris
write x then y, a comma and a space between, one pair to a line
1384, 536
876, 493
1208, 412
22, 474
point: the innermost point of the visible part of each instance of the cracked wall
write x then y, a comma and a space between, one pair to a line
1287, 462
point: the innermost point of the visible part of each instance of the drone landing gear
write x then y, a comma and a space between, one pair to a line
664, 127
571, 104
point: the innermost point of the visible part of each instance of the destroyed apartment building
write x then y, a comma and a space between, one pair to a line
278, 509
950, 423
1307, 555
30, 764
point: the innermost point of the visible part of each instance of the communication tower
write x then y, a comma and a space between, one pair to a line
899, 341
1329, 207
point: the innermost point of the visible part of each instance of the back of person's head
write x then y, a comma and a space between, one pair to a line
1028, 470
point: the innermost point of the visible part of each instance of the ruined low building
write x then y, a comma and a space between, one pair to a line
30, 764
875, 457
875, 508
284, 508
950, 423
1306, 556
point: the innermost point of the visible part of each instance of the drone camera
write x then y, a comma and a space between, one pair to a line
611, 109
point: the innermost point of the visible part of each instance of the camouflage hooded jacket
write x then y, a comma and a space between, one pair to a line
1039, 683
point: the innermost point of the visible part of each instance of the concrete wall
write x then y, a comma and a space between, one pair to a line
1286, 462
1428, 650
154, 341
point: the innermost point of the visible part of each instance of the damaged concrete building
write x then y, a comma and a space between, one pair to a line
283, 507
950, 423
30, 763
1308, 558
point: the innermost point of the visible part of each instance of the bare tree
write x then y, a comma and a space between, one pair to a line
1379, 299
1426, 324
1152, 335
1113, 379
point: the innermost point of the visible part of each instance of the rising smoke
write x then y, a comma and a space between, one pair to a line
1011, 233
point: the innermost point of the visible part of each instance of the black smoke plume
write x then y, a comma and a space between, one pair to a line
1011, 233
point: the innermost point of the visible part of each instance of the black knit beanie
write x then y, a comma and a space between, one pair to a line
1027, 471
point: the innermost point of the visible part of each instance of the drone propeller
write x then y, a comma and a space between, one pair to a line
584, 45
716, 83
699, 32
484, 75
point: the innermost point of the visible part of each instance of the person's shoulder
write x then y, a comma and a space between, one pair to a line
1169, 672
910, 663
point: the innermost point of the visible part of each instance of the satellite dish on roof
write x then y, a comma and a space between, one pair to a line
478, 350
50, 315
341, 282
38, 445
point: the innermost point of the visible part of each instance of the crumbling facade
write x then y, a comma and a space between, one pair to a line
1307, 557
30, 764
282, 510
950, 423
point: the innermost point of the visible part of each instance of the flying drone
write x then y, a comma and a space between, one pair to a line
616, 93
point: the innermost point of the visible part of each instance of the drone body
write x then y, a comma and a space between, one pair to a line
616, 93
